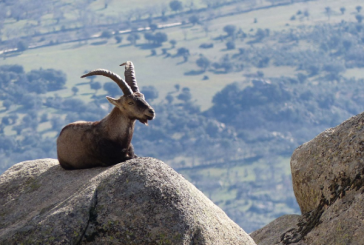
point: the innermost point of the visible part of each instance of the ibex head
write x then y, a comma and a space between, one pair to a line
132, 103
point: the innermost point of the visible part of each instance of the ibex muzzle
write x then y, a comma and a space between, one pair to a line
107, 142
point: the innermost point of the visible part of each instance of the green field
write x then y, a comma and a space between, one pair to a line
164, 73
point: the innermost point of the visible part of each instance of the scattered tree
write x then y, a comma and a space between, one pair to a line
44, 118
153, 27
206, 27
359, 18
7, 103
206, 45
95, 86
177, 87
203, 62
150, 92
185, 53
22, 46
106, 3
169, 98
173, 43
230, 45
149, 37
185, 95
306, 13
75, 90
176, 5
358, 8
157, 38
118, 38
230, 30
111, 88
106, 34
133, 38
342, 10
57, 123
160, 37
194, 19
328, 12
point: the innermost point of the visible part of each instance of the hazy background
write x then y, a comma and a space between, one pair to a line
237, 85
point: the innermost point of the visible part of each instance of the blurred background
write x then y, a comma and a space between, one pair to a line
237, 85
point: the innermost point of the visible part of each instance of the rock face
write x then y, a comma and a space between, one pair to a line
141, 201
271, 233
328, 178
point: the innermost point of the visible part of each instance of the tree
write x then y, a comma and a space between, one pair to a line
118, 38
173, 43
106, 3
359, 18
306, 13
163, 9
150, 92
185, 53
169, 98
160, 37
203, 62
133, 38
230, 29
75, 90
44, 117
358, 8
51, 78
176, 5
185, 95
342, 10
106, 34
149, 37
31, 101
206, 27
230, 45
194, 19
7, 103
153, 27
95, 86
177, 87
57, 123
328, 12
22, 46
111, 88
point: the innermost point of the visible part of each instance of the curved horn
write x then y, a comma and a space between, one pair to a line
130, 76
115, 77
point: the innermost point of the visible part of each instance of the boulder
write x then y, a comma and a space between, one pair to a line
271, 233
328, 178
141, 201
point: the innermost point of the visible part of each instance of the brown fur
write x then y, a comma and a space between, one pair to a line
107, 142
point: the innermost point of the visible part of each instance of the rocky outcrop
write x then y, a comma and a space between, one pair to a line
141, 201
328, 178
271, 233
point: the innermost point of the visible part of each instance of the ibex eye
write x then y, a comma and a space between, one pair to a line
131, 103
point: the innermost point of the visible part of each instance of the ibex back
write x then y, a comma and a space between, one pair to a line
108, 141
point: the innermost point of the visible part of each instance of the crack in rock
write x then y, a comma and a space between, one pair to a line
92, 216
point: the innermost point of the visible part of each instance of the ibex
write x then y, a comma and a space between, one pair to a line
107, 142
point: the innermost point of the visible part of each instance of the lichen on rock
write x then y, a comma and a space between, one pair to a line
141, 201
328, 178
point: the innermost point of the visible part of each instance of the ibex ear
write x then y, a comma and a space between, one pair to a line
112, 100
